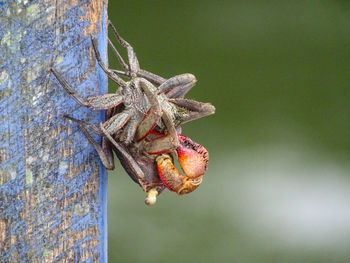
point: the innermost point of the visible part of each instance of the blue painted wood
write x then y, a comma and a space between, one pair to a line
52, 184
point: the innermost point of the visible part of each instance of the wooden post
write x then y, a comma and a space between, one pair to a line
52, 184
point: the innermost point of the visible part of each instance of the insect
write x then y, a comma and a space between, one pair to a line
143, 125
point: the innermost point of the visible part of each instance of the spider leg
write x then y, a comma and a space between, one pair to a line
160, 145
169, 124
132, 164
173, 86
116, 122
180, 91
181, 83
113, 76
194, 109
133, 66
119, 57
128, 161
120, 72
95, 102
166, 143
133, 62
94, 128
153, 78
154, 113
105, 151
105, 101
130, 131
69, 89
150, 120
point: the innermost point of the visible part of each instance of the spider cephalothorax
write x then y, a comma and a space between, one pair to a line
143, 124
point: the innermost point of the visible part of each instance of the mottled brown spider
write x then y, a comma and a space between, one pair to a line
143, 125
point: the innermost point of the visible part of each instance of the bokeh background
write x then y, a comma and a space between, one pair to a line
278, 184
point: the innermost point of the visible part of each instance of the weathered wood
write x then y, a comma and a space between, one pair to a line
52, 185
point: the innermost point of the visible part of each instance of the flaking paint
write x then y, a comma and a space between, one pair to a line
51, 185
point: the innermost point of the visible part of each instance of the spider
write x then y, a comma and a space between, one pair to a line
143, 126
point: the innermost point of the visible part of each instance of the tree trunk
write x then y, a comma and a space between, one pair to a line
52, 184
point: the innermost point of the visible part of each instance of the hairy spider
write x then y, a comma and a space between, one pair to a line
143, 125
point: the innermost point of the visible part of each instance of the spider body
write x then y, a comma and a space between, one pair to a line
143, 122
136, 106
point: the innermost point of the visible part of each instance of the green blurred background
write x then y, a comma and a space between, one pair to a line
277, 187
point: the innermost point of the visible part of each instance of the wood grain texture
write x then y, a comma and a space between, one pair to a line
52, 184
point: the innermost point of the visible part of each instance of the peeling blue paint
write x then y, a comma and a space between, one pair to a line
14, 187
45, 162
19, 228
89, 260
102, 79
10, 207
